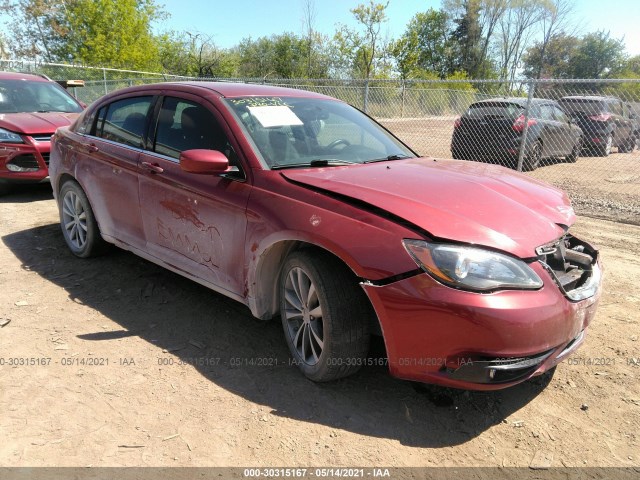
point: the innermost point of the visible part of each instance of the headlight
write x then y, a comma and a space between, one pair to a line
9, 137
471, 268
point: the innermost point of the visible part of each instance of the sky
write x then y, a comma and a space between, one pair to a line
228, 22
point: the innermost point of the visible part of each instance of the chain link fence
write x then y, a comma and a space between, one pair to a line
580, 135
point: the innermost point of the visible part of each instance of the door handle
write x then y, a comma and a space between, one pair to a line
91, 148
152, 167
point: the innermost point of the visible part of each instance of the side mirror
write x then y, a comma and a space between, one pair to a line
204, 161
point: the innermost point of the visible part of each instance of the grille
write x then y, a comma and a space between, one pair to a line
45, 157
43, 138
25, 161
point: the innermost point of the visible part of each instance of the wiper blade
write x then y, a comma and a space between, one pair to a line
318, 162
390, 157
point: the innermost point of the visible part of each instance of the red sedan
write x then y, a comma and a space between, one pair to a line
31, 108
303, 208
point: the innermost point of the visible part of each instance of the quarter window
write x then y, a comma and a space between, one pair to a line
124, 121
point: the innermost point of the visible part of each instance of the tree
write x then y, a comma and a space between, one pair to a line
279, 56
467, 37
555, 16
598, 56
109, 33
558, 53
4, 51
362, 52
517, 27
424, 46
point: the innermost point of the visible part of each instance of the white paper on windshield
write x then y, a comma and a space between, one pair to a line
275, 116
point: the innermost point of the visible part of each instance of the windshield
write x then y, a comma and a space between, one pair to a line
20, 96
494, 110
583, 106
293, 132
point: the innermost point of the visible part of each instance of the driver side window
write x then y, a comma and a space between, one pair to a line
184, 125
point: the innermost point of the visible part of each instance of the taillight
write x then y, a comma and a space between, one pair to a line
457, 123
602, 117
518, 125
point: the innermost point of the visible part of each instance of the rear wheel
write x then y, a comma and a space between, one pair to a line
325, 315
604, 150
532, 160
575, 152
79, 227
628, 146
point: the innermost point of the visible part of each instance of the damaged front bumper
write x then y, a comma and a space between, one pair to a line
436, 334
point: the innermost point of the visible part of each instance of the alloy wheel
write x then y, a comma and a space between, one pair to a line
74, 219
304, 316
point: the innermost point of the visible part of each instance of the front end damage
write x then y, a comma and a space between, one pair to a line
489, 341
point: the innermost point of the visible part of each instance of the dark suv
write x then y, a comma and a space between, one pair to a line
606, 122
32, 107
492, 130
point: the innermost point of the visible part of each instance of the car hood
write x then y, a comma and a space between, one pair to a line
36, 123
462, 201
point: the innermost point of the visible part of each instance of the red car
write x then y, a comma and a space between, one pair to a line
31, 108
300, 206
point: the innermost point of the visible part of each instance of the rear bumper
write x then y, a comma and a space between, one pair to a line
436, 334
502, 151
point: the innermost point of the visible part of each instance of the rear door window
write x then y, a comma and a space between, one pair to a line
124, 121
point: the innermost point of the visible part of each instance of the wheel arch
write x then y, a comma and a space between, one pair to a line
263, 291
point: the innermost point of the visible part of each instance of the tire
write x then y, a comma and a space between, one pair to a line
78, 224
605, 149
5, 188
532, 160
325, 315
628, 146
575, 152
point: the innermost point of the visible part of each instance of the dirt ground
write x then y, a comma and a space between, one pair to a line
117, 362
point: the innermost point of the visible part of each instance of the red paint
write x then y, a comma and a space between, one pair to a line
29, 125
219, 230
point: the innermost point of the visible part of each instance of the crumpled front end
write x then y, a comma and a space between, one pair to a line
486, 341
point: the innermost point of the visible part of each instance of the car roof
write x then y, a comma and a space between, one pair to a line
22, 76
522, 101
227, 89
590, 97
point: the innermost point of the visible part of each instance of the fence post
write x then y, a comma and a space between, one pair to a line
365, 106
403, 100
104, 76
523, 142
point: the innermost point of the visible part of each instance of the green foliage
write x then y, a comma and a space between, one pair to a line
598, 56
559, 52
595, 55
109, 33
360, 54
424, 46
466, 40
281, 56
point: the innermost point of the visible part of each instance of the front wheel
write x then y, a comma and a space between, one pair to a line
325, 315
79, 227
532, 160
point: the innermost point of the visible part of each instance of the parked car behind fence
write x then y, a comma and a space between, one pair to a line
494, 130
606, 122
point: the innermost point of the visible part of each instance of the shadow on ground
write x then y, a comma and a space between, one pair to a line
169, 312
